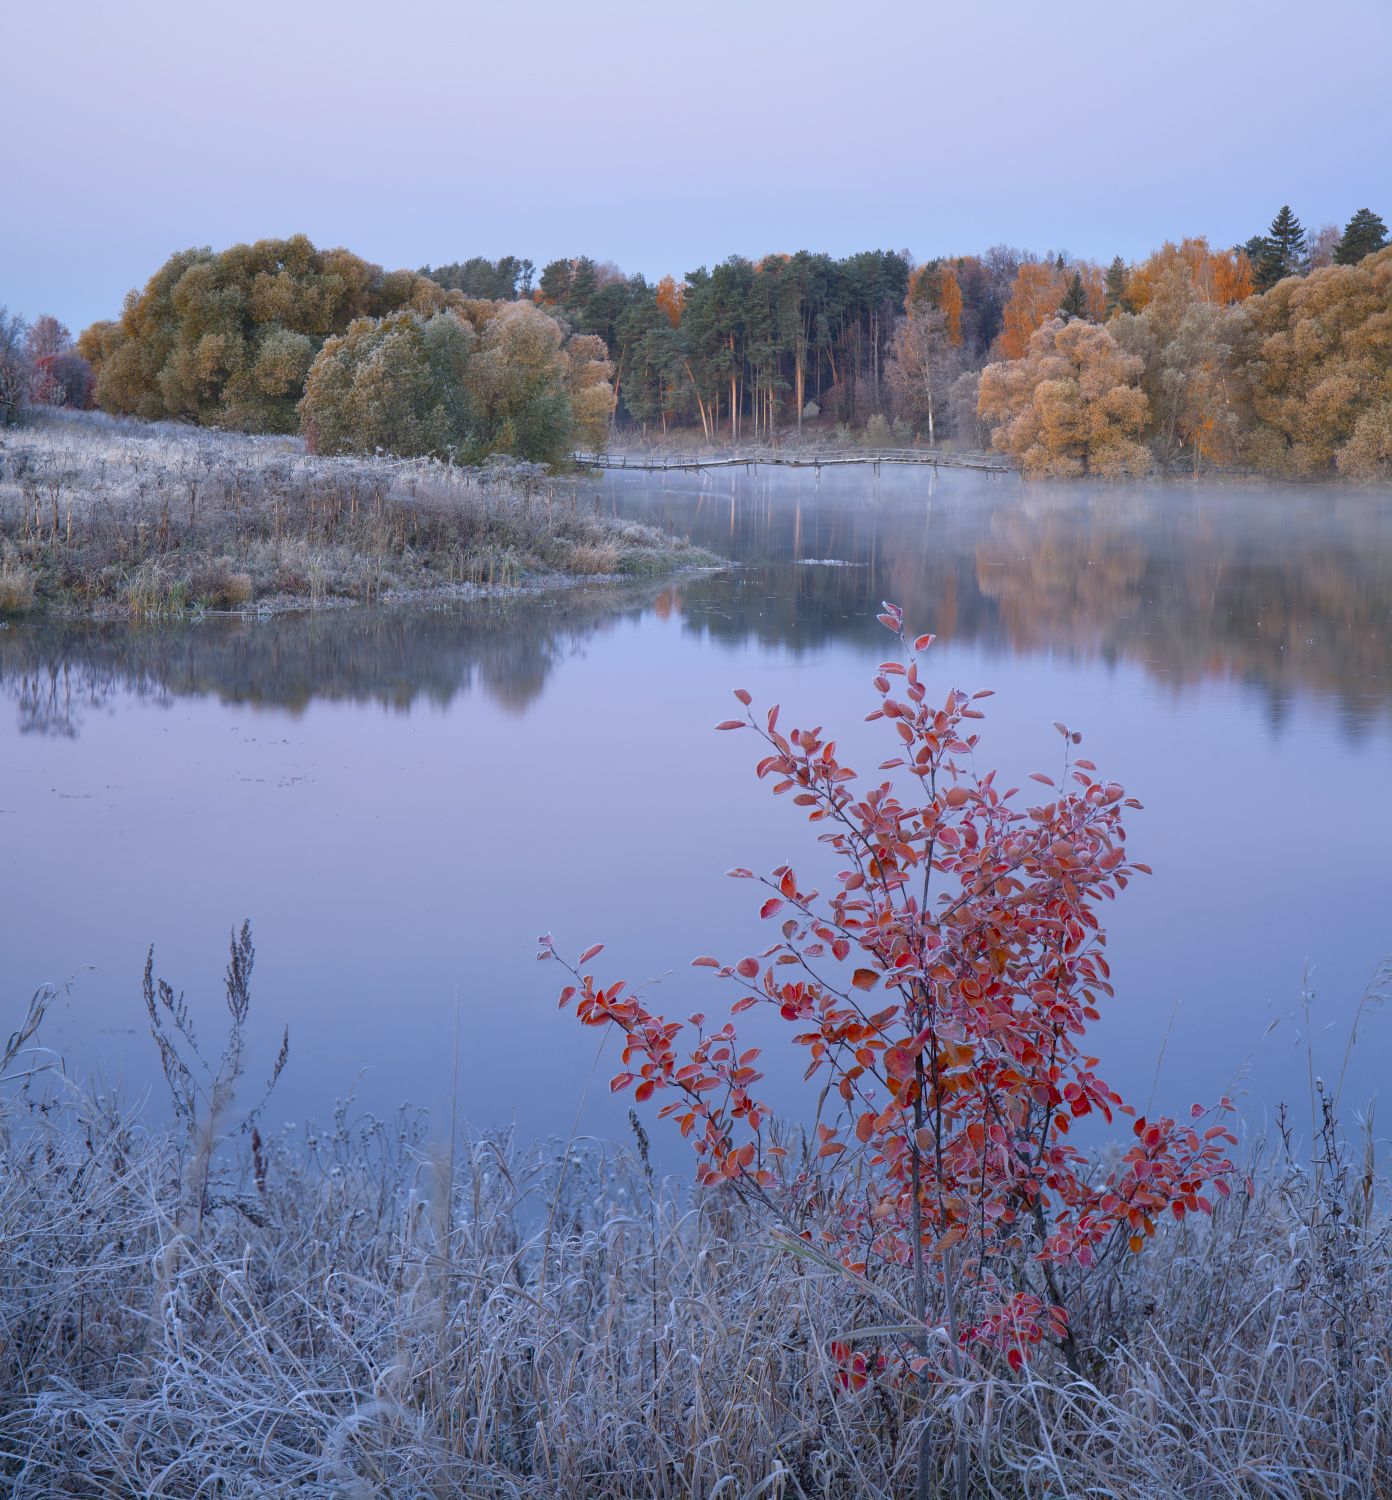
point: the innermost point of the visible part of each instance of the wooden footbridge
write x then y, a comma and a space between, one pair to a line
795, 458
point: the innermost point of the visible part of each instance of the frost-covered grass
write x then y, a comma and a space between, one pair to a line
108, 515
189, 1310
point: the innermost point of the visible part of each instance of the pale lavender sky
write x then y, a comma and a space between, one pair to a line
666, 136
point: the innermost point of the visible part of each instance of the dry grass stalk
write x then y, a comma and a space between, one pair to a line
187, 1309
152, 519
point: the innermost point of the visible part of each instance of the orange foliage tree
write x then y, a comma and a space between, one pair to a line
935, 285
1218, 276
1034, 299
1071, 406
950, 300
941, 990
670, 296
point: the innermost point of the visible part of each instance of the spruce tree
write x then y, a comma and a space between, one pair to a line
1074, 304
1363, 234
1284, 249
1116, 287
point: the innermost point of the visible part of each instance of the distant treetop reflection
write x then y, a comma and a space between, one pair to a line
398, 657
1289, 590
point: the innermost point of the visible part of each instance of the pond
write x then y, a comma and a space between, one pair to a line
402, 799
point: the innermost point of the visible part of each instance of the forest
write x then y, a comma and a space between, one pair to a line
1272, 356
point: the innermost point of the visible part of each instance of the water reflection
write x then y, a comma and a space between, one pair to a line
1287, 590
58, 672
401, 799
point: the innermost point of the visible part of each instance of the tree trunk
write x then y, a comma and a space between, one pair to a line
700, 405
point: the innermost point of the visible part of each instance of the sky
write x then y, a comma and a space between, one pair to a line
663, 137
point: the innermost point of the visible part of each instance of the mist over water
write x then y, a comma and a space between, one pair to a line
402, 799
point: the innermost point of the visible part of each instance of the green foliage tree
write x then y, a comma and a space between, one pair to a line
1116, 287
554, 284
228, 338
1363, 235
1074, 304
1283, 249
398, 384
410, 384
491, 280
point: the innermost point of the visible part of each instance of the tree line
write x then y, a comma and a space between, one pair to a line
1182, 358
1272, 354
279, 336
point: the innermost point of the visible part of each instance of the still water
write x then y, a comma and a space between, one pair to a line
402, 799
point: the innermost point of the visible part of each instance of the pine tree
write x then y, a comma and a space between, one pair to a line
1284, 250
1116, 287
1363, 234
584, 283
1074, 304
554, 285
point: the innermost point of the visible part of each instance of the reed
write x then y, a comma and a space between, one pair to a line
113, 516
190, 1308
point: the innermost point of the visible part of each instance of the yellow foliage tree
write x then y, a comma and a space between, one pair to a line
1320, 372
1072, 405
589, 378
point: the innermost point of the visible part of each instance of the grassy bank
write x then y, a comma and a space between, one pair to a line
191, 1309
107, 516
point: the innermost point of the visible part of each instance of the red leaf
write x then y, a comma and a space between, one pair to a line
747, 967
771, 907
742, 696
899, 1062
730, 724
864, 979
590, 952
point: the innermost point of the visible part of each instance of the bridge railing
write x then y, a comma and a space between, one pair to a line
794, 458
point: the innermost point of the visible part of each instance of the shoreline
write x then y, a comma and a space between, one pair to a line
670, 458
106, 519
276, 606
